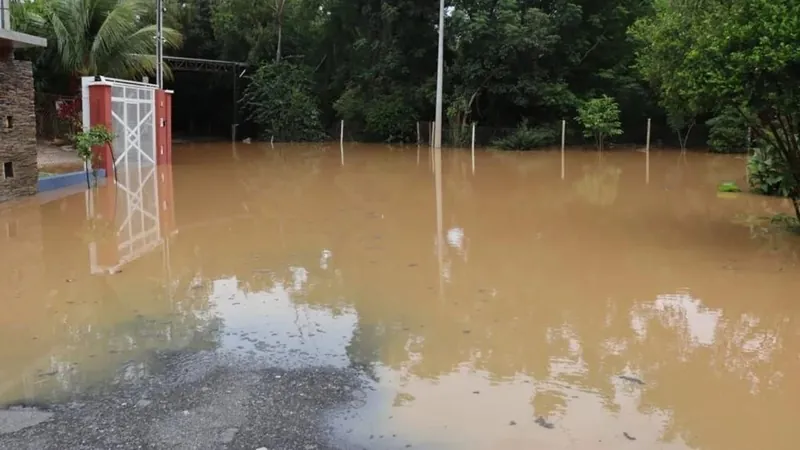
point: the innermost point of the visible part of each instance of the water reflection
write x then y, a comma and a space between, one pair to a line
506, 309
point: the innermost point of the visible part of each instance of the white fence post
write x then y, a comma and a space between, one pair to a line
473, 147
647, 152
563, 145
341, 141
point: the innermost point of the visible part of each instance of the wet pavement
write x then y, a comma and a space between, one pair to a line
296, 298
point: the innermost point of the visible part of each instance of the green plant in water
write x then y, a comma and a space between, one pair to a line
600, 119
527, 138
768, 174
728, 186
96, 136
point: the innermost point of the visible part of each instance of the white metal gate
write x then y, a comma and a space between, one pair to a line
136, 215
133, 120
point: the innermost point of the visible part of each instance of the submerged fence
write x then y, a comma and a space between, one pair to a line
530, 135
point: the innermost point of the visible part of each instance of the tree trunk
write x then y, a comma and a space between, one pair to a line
279, 8
683, 139
280, 38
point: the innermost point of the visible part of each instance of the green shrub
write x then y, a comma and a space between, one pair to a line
768, 174
727, 132
527, 138
600, 119
377, 117
96, 136
280, 103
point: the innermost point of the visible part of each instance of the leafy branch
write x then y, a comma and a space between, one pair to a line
96, 136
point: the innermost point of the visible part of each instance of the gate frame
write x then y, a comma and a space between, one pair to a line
107, 257
96, 93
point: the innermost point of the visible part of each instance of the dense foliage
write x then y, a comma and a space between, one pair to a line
526, 137
727, 131
279, 101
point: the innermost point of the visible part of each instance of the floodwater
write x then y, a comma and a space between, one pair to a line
621, 306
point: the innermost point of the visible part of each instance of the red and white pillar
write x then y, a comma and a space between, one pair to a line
168, 125
166, 201
100, 114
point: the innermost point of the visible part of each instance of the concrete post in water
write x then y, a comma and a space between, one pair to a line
437, 132
563, 145
473, 147
419, 138
647, 153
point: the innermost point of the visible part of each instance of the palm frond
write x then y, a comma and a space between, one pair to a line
103, 37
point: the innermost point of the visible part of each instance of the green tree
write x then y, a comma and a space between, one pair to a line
662, 38
280, 103
97, 37
600, 119
744, 52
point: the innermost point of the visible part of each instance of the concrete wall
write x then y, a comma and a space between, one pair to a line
17, 142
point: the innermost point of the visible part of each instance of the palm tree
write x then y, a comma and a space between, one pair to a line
98, 37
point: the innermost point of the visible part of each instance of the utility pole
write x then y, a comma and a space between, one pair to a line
437, 132
160, 44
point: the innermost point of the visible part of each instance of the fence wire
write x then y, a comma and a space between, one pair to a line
421, 133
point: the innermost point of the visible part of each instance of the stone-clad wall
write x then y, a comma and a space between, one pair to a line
18, 143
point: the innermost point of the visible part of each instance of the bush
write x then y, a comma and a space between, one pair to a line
382, 118
600, 119
727, 132
280, 103
768, 174
526, 138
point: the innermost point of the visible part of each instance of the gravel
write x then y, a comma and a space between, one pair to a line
192, 401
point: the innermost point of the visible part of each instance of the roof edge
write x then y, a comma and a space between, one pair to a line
21, 40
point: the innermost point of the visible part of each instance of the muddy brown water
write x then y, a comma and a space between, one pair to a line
618, 307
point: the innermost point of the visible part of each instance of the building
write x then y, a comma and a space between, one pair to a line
19, 174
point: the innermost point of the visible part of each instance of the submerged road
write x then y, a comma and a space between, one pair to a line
192, 401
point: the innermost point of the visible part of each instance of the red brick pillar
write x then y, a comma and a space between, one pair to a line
100, 114
161, 127
168, 125
166, 201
